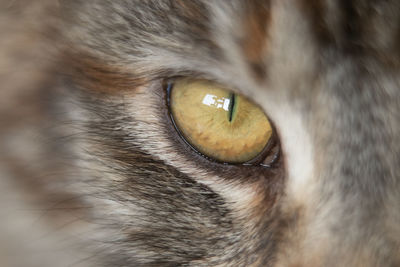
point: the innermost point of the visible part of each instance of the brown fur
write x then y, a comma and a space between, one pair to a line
255, 41
93, 74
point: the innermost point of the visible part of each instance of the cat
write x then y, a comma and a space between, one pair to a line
94, 172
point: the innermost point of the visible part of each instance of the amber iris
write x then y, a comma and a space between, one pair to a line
218, 123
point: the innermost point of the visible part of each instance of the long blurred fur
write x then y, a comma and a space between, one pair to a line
92, 172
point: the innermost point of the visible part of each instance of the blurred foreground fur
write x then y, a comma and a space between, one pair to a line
91, 175
28, 57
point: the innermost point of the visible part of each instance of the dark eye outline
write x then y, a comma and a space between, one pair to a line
267, 158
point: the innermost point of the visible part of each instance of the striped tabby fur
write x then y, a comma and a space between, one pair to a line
93, 173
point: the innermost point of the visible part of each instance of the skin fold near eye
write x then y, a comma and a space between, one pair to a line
218, 123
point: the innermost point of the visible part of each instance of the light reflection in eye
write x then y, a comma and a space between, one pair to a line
217, 102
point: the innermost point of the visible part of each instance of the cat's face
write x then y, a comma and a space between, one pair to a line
326, 73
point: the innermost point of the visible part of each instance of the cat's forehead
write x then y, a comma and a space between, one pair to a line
237, 42
250, 45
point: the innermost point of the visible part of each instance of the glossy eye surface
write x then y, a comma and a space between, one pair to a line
216, 122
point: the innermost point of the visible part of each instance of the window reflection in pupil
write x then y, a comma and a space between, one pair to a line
228, 104
217, 102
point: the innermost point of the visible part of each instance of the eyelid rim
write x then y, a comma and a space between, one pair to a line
258, 160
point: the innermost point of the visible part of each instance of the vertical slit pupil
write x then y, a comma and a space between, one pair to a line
231, 105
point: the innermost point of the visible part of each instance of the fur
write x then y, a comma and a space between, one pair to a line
93, 172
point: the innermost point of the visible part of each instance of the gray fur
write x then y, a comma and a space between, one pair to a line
118, 187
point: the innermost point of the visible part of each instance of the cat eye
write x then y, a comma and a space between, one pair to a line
218, 123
